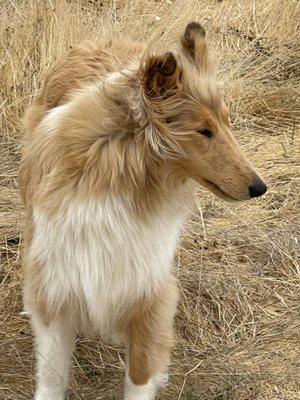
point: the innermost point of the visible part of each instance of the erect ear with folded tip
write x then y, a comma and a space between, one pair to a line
160, 75
194, 45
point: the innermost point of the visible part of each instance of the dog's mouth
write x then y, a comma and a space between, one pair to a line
218, 191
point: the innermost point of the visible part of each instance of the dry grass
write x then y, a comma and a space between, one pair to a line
238, 321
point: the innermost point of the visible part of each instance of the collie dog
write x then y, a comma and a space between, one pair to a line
115, 143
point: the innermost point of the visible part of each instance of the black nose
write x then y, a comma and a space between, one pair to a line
258, 188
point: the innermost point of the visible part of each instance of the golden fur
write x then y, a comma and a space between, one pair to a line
135, 125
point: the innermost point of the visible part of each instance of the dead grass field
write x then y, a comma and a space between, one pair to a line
238, 323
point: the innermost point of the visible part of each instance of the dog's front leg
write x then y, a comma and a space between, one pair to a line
54, 347
150, 338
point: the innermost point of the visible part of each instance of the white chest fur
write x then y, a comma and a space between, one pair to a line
98, 253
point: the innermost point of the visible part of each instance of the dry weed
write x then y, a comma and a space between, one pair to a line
238, 265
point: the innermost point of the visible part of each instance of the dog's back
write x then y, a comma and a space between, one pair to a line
83, 64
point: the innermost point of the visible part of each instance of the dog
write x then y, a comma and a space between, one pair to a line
115, 145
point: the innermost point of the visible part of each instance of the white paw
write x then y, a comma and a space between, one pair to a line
145, 392
49, 394
139, 392
161, 380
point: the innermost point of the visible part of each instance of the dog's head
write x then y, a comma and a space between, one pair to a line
191, 121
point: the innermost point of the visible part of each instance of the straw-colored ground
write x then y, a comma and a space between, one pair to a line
238, 267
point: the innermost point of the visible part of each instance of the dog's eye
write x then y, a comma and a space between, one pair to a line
169, 120
205, 132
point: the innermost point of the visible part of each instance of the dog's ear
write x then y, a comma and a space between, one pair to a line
194, 45
160, 75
